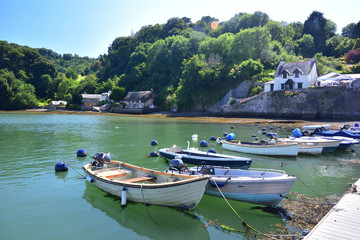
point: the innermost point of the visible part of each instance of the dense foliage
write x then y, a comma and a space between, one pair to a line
188, 64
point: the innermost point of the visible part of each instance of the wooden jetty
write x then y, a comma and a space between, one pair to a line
343, 220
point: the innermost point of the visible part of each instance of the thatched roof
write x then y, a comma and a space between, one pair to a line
142, 96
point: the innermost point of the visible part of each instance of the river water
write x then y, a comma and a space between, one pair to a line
37, 203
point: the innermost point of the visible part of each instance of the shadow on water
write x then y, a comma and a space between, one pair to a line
152, 221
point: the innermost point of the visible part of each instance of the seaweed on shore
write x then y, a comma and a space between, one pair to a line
302, 213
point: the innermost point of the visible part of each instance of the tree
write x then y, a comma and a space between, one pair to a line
117, 94
306, 46
338, 46
24, 97
315, 25
351, 30
251, 43
6, 80
247, 70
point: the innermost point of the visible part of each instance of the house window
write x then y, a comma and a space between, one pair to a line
297, 74
299, 85
284, 75
282, 86
271, 87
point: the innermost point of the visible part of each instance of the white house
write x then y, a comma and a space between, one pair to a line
294, 75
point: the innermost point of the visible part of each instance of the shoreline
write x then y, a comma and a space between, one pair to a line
200, 117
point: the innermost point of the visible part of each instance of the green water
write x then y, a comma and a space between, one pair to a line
37, 203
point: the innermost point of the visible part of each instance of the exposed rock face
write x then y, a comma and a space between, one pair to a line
311, 103
240, 92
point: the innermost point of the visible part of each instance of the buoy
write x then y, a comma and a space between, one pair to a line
212, 150
230, 136
154, 143
89, 179
123, 197
225, 134
195, 137
253, 135
154, 154
269, 134
232, 127
212, 138
81, 153
203, 143
270, 128
61, 167
264, 132
297, 133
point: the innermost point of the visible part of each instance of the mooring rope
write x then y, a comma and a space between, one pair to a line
243, 221
75, 170
142, 193
311, 189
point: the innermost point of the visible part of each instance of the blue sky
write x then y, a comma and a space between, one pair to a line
88, 27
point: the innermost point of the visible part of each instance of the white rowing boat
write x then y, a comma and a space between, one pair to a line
138, 184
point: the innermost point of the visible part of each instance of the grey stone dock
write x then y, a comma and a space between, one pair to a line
343, 220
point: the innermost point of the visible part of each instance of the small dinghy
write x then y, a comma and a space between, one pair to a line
196, 157
138, 184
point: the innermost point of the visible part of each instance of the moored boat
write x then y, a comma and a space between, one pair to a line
340, 133
196, 157
345, 142
328, 145
138, 184
258, 186
281, 149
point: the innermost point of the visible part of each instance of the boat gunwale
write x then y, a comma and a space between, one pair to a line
185, 179
260, 145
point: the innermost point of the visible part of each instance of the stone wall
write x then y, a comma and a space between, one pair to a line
336, 103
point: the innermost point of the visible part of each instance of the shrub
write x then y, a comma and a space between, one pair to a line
231, 101
353, 56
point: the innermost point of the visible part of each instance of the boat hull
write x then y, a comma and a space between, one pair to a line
257, 187
197, 158
282, 150
184, 193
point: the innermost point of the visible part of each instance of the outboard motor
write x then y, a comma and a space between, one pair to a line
102, 158
177, 164
205, 169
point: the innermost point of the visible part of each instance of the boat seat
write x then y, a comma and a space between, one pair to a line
138, 179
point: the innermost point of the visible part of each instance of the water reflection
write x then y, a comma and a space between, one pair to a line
155, 222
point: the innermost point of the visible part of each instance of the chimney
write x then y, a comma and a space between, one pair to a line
282, 62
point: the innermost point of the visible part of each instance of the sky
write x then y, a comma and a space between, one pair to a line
88, 27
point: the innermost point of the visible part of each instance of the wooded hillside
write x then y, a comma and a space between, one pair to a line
189, 64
